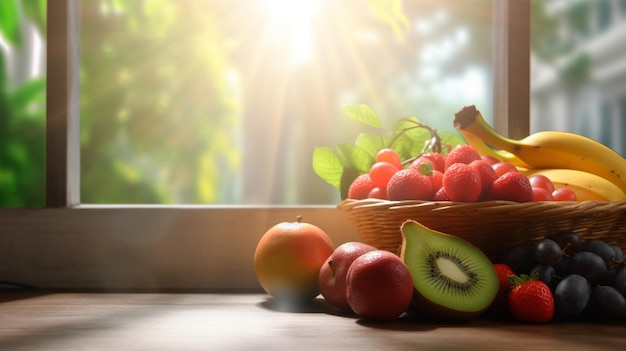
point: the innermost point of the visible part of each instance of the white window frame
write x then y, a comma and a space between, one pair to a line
71, 245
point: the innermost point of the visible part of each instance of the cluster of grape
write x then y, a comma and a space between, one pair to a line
587, 278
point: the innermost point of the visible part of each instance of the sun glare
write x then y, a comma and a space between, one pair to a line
291, 20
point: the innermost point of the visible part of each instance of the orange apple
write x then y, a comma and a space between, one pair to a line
379, 286
288, 259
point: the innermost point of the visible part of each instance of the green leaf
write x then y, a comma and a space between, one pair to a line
371, 143
362, 114
10, 22
327, 166
36, 11
348, 176
353, 156
30, 92
451, 139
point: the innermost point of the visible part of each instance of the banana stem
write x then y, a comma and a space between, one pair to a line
471, 120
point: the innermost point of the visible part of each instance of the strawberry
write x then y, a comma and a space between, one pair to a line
438, 161
462, 183
440, 195
437, 179
500, 303
512, 186
461, 154
530, 300
487, 176
360, 187
409, 184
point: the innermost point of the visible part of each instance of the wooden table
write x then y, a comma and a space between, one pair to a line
49, 320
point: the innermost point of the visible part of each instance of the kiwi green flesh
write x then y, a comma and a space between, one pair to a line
452, 278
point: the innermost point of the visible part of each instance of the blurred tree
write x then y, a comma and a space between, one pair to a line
158, 120
22, 105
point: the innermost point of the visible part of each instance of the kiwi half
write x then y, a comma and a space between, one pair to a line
453, 279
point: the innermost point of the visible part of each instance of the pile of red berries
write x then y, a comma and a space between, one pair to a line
463, 175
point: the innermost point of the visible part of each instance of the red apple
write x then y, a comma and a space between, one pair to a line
332, 276
379, 286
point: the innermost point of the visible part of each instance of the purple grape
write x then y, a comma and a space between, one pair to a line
619, 255
547, 252
601, 249
571, 295
608, 303
520, 259
561, 268
544, 273
620, 281
587, 264
569, 241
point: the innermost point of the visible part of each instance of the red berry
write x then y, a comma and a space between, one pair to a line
500, 303
541, 181
531, 302
381, 172
437, 161
360, 187
409, 184
462, 183
489, 159
541, 194
487, 176
564, 194
440, 195
503, 167
437, 179
389, 155
461, 154
511, 186
378, 193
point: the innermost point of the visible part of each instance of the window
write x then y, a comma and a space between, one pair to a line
577, 85
176, 247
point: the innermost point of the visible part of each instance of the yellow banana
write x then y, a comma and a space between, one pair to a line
482, 148
587, 186
549, 149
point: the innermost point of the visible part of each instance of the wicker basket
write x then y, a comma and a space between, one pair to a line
492, 226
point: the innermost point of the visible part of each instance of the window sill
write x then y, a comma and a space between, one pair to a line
146, 247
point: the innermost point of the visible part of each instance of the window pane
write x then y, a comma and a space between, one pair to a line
223, 102
578, 80
22, 103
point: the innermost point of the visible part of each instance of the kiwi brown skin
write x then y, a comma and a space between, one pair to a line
438, 311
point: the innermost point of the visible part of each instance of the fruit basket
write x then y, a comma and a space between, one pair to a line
492, 226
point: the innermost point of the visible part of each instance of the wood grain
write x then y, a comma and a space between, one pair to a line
202, 321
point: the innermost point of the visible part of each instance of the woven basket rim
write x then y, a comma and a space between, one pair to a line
500, 205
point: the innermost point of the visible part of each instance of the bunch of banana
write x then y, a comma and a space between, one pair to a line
593, 170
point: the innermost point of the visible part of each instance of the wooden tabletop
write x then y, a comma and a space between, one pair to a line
48, 320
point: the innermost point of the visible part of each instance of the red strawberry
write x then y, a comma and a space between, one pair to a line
462, 183
500, 303
409, 184
461, 154
437, 179
360, 187
437, 160
487, 176
531, 300
512, 186
440, 195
